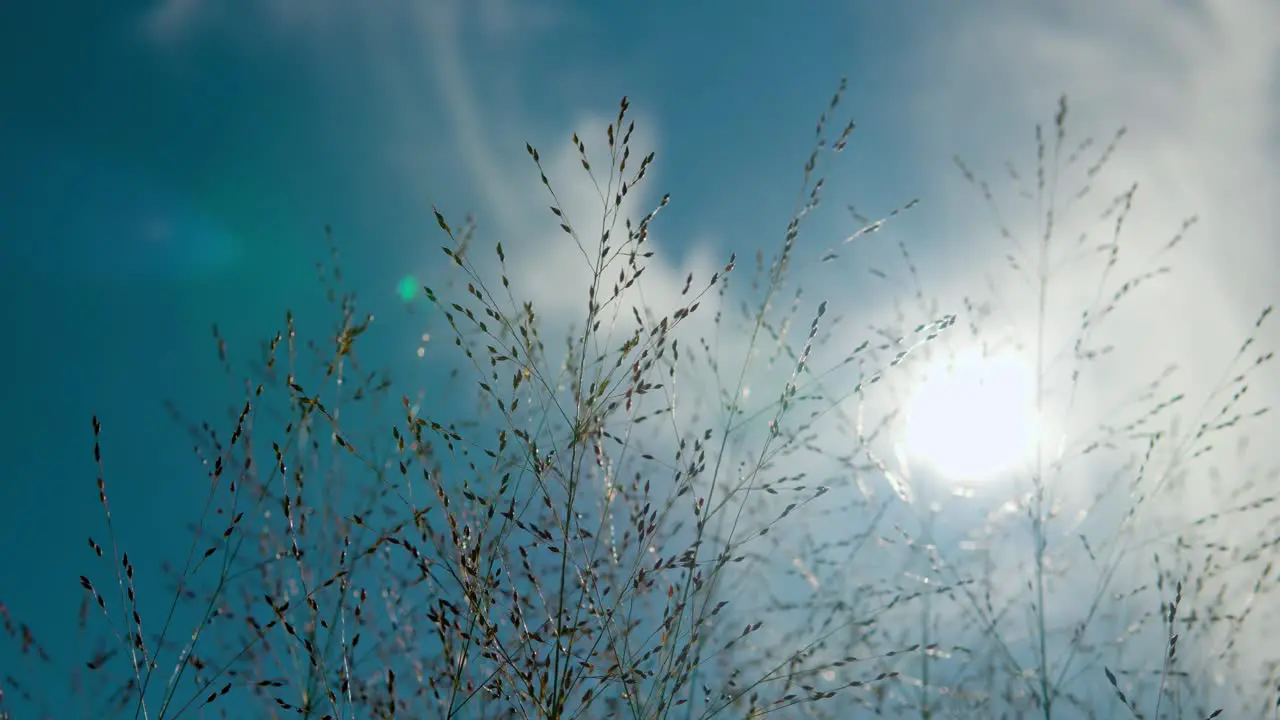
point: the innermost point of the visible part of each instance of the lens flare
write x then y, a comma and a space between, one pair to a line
71, 213
408, 288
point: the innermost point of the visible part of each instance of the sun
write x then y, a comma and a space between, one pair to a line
973, 417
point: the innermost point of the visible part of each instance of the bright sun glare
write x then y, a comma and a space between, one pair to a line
974, 418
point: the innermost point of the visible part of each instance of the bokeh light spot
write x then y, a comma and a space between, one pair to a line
408, 288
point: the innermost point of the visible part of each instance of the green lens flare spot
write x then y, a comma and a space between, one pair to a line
409, 288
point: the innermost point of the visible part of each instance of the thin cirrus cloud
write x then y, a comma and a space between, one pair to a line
1195, 84
548, 265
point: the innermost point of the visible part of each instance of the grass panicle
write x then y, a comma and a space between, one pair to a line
693, 506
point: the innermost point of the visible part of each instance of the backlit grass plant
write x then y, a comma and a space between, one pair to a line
683, 513
1057, 586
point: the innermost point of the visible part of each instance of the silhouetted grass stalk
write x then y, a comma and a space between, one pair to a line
565, 569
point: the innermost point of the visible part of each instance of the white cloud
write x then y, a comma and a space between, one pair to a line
1196, 84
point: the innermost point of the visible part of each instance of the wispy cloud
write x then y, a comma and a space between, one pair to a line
170, 21
1194, 82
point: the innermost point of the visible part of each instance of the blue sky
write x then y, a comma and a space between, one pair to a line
178, 161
